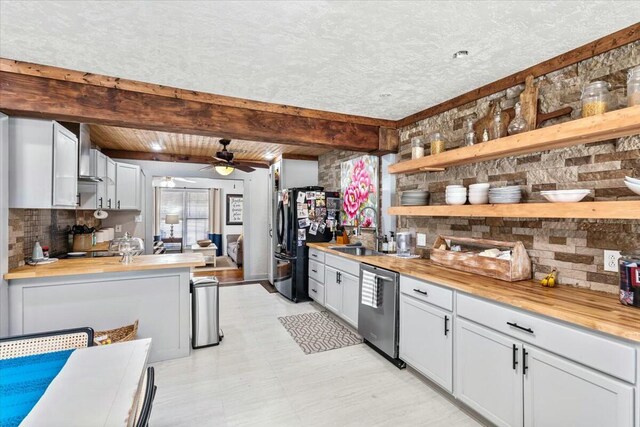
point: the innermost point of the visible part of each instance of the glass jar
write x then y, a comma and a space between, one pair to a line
518, 124
437, 143
595, 98
629, 275
469, 133
633, 87
417, 147
497, 125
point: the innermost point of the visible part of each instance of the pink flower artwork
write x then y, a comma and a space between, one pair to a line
359, 185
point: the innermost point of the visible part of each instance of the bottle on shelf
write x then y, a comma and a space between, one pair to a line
385, 244
518, 124
497, 125
392, 242
469, 134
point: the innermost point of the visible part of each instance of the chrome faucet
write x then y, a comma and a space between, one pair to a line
375, 214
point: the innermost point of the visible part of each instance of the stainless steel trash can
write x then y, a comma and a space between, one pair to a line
205, 326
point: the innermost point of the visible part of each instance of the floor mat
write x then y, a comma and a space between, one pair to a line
318, 331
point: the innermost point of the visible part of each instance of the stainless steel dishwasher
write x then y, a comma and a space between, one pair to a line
378, 317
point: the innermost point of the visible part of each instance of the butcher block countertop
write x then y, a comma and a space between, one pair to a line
590, 309
69, 267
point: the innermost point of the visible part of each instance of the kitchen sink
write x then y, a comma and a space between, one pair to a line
356, 250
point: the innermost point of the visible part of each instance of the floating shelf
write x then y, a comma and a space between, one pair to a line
614, 124
596, 210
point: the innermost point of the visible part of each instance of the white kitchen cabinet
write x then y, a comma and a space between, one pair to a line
127, 186
110, 184
316, 291
350, 298
101, 172
332, 290
43, 156
558, 392
426, 340
489, 373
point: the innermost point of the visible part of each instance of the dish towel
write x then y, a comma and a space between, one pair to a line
371, 290
23, 380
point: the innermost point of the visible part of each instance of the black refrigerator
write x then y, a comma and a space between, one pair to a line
307, 214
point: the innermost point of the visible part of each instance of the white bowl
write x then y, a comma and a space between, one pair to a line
633, 187
455, 186
478, 200
566, 197
632, 180
456, 192
480, 185
460, 201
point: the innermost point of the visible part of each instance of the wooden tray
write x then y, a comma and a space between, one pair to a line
518, 268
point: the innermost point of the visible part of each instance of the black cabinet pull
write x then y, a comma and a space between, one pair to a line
109, 203
522, 328
524, 361
78, 201
515, 357
314, 255
313, 290
420, 292
100, 202
446, 325
339, 277
315, 271
118, 204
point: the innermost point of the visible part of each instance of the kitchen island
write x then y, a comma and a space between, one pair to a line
103, 293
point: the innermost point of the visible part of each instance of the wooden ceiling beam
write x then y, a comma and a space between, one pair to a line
612, 41
78, 102
63, 74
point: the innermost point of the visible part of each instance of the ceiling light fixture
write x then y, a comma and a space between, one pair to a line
156, 146
224, 170
269, 156
460, 54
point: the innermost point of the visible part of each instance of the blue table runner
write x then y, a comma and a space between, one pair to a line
23, 381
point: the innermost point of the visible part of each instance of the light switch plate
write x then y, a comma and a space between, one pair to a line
118, 228
421, 239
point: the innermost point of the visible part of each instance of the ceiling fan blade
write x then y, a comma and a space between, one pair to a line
255, 165
220, 159
183, 180
207, 167
243, 167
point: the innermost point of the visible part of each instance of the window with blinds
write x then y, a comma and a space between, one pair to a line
192, 207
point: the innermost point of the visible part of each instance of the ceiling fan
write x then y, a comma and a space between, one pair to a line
170, 181
224, 164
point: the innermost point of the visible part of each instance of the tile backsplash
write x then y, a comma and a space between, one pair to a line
49, 226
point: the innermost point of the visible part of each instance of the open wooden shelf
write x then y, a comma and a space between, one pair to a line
614, 124
597, 210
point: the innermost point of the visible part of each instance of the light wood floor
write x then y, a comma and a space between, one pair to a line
259, 376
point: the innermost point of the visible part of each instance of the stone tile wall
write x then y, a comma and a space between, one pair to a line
50, 226
574, 247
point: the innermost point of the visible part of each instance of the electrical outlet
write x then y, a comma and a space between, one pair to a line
611, 260
118, 228
421, 239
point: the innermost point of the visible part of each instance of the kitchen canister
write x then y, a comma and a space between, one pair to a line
99, 236
109, 234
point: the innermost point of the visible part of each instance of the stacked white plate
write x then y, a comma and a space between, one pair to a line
456, 195
479, 193
510, 194
632, 184
414, 198
564, 196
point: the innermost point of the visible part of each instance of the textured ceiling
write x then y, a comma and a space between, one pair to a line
336, 56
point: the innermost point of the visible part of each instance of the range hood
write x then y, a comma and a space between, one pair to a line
86, 167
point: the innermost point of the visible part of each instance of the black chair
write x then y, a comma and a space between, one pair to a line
45, 342
149, 395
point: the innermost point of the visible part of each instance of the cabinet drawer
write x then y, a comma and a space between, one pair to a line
316, 271
424, 291
342, 264
316, 255
316, 291
607, 355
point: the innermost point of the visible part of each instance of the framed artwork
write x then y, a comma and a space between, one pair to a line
234, 209
359, 187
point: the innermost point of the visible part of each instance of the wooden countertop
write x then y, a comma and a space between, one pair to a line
590, 309
69, 267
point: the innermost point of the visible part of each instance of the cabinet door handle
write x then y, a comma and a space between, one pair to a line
339, 276
100, 199
314, 255
118, 204
420, 292
78, 200
522, 328
515, 357
109, 203
315, 271
446, 325
313, 290
524, 361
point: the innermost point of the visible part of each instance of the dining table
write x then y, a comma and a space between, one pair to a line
97, 386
